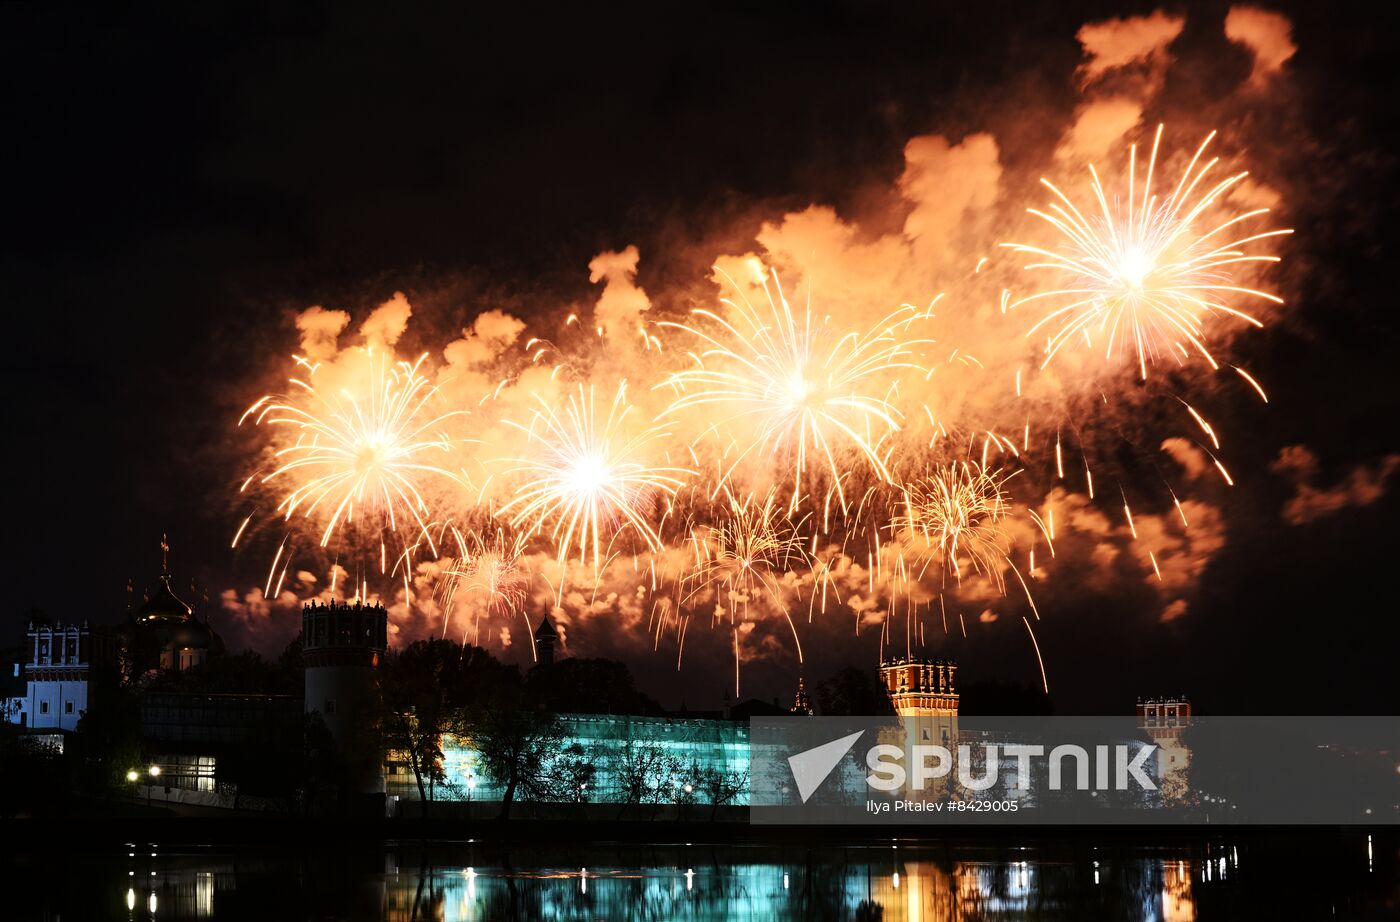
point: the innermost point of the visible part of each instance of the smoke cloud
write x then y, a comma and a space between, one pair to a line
320, 329
1138, 41
1267, 35
978, 391
1364, 485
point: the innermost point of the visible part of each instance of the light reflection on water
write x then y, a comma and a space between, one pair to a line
450, 882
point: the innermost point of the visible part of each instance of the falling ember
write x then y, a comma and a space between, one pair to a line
1201, 421
1252, 383
1044, 681
267, 589
1145, 274
736, 664
1180, 511
239, 534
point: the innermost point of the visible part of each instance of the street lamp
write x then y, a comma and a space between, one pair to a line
132, 776
154, 772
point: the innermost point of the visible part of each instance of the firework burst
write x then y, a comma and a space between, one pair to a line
362, 451
956, 516
744, 556
801, 387
488, 577
1145, 275
590, 481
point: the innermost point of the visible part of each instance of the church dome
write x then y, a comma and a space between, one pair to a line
163, 633
164, 605
193, 634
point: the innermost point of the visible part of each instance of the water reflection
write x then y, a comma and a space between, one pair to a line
914, 882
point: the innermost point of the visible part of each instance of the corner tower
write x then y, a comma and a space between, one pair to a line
921, 686
341, 646
924, 691
1165, 720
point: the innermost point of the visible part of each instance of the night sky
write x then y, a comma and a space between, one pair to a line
181, 180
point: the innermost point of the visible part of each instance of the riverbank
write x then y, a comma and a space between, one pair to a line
111, 824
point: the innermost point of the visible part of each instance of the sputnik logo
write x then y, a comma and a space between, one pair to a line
810, 767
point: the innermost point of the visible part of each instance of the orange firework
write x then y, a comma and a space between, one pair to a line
956, 516
588, 480
745, 554
488, 577
1146, 274
367, 447
797, 385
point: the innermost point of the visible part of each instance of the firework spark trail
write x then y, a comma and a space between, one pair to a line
1044, 680
1148, 273
489, 572
812, 388
772, 393
369, 446
589, 481
957, 513
745, 557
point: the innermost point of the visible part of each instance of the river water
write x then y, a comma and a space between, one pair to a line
1293, 876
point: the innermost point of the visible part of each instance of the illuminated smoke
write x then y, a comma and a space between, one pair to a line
715, 461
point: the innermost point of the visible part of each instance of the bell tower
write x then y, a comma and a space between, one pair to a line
924, 692
1165, 720
920, 686
546, 635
